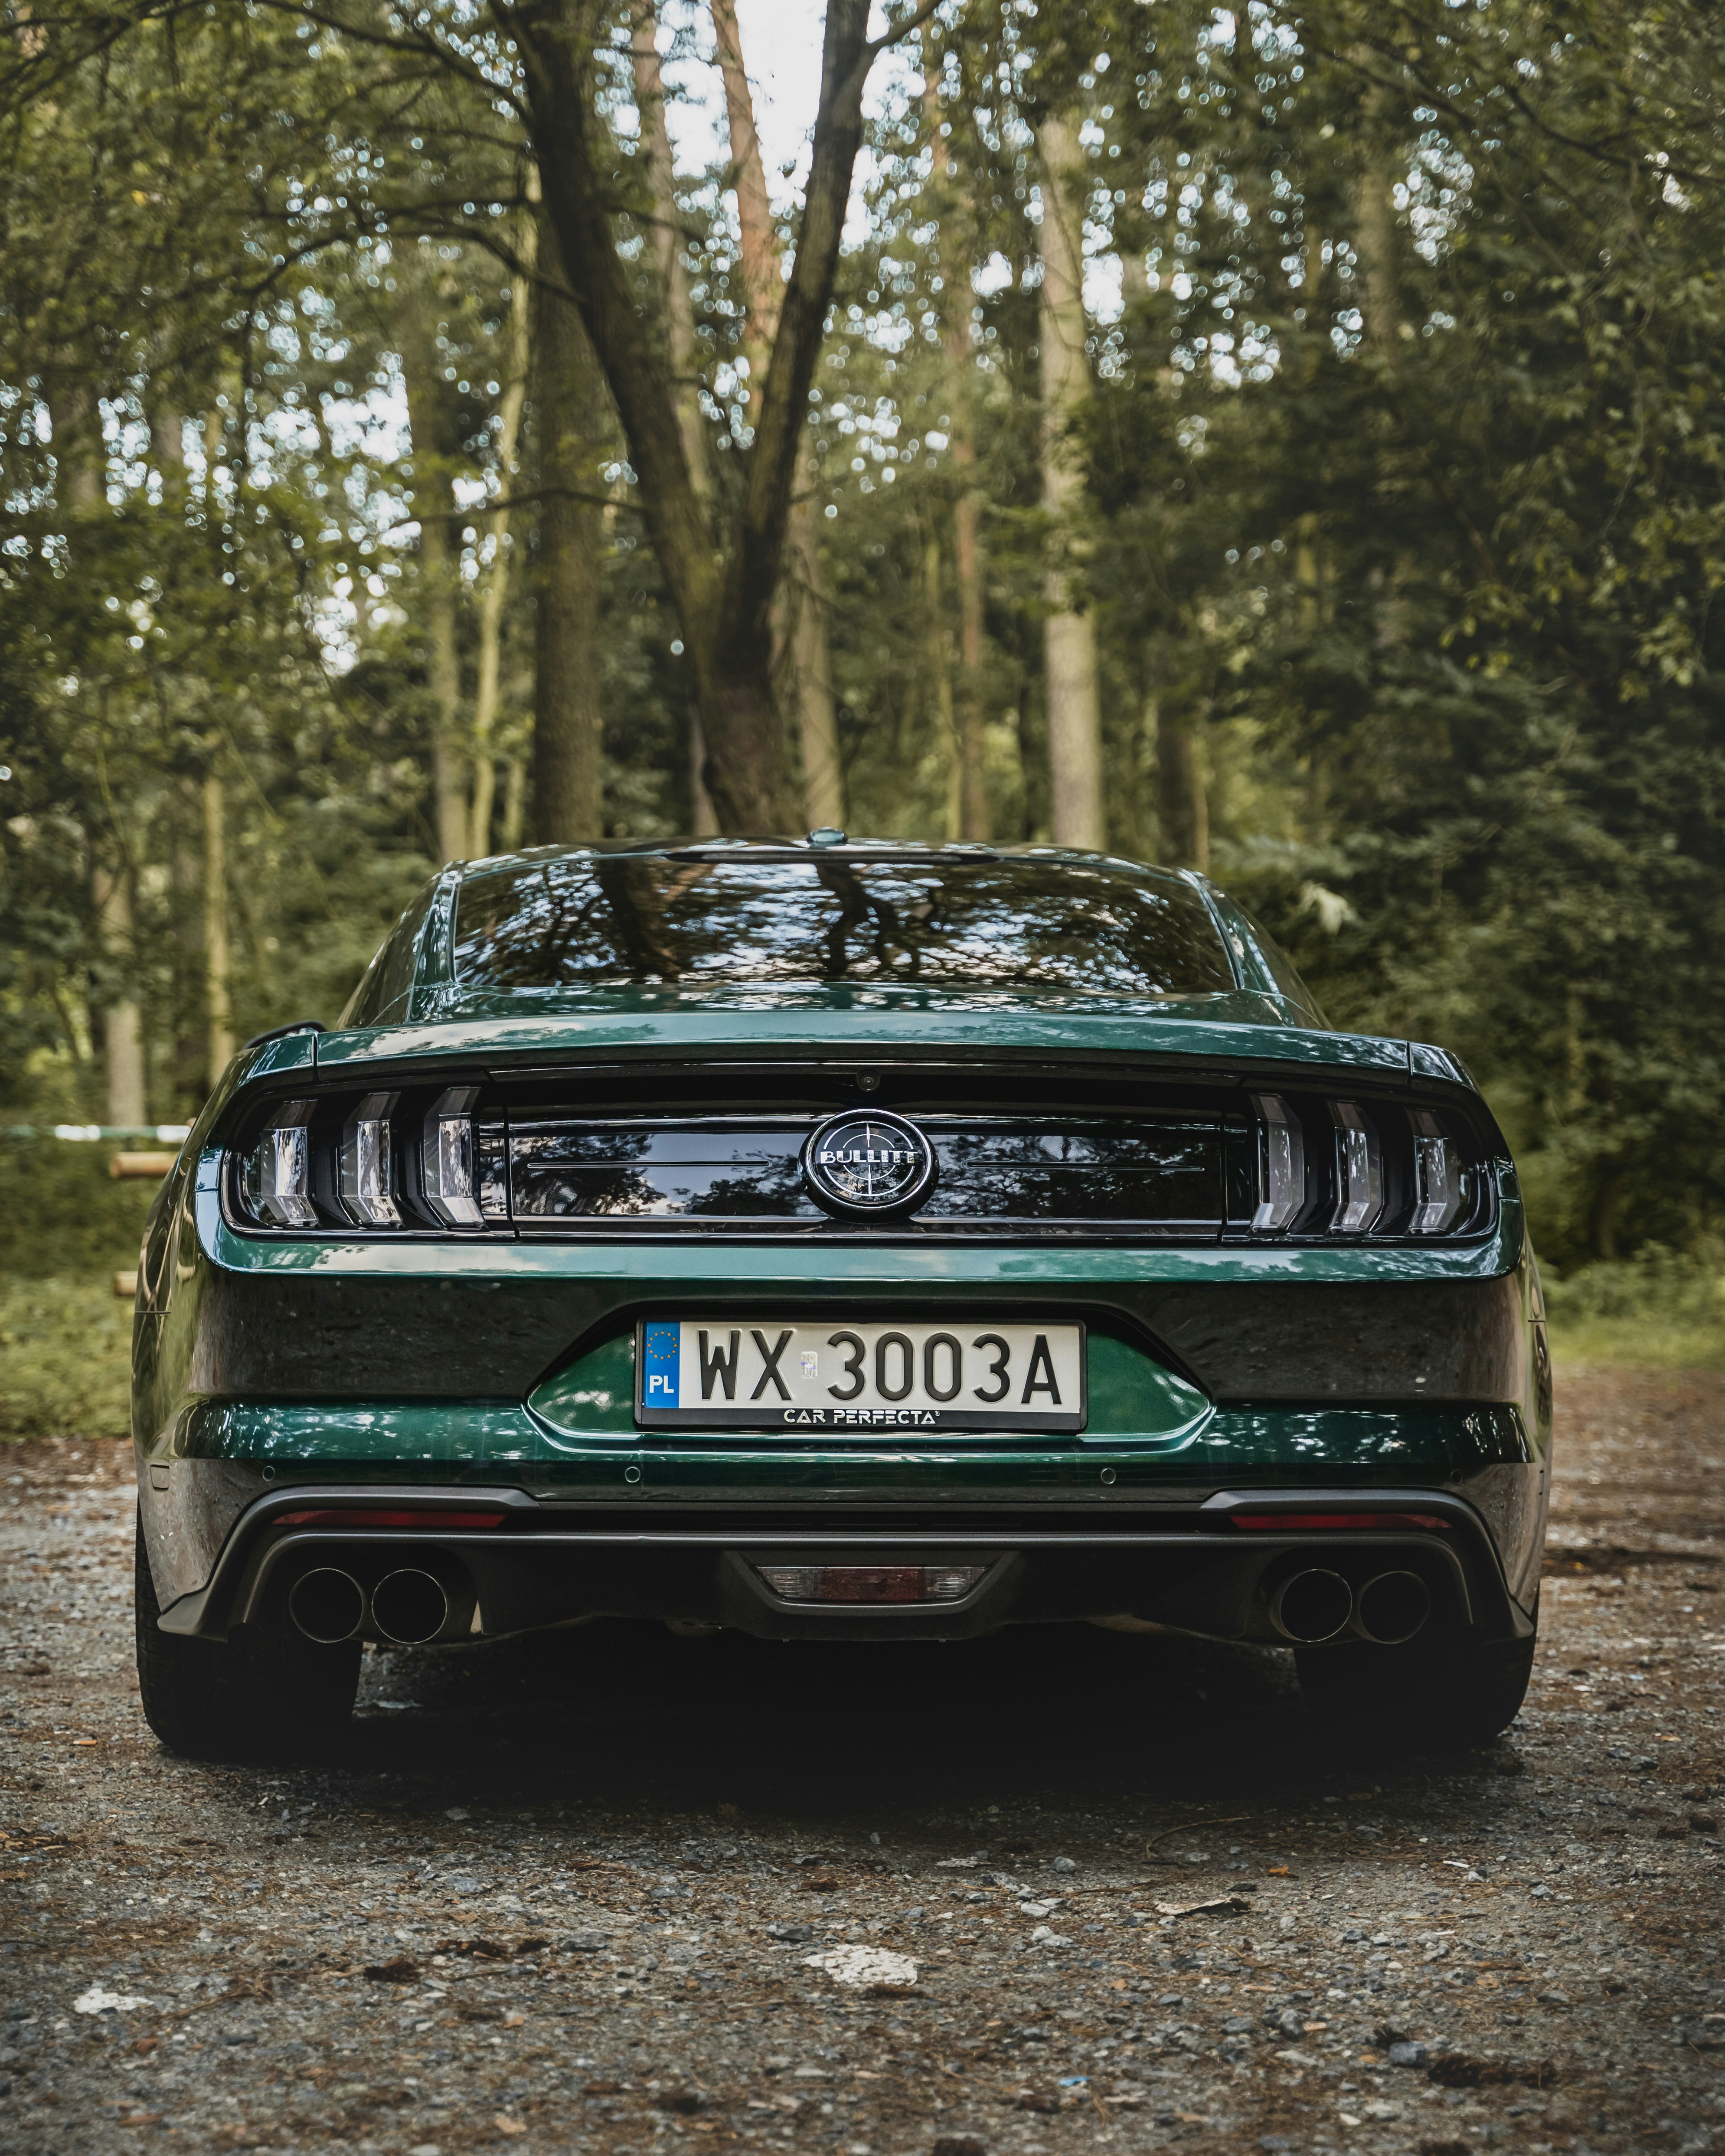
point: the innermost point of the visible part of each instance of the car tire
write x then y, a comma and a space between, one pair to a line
264, 1693
1433, 1695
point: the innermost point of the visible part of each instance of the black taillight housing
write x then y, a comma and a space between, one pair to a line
424, 1158
459, 1157
1338, 1169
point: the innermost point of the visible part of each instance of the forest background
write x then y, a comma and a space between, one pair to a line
1285, 440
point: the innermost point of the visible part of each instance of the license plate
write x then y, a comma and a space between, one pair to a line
716, 1374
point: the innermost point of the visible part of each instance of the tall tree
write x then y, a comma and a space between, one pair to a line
434, 452
493, 599
568, 714
722, 569
1069, 635
805, 661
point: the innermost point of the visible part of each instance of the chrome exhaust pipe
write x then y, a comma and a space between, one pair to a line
410, 1606
1392, 1608
328, 1605
1311, 1606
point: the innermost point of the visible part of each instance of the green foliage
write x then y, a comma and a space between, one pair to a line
1405, 458
61, 1211
66, 1341
1664, 1310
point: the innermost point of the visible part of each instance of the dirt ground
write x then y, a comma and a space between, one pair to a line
563, 1895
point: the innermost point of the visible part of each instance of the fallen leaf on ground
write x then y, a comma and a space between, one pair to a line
1223, 1905
95, 2000
865, 1968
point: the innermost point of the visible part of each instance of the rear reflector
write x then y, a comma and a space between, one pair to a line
347, 1516
1300, 1522
871, 1582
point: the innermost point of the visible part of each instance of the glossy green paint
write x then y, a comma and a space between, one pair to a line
853, 1024
1231, 1448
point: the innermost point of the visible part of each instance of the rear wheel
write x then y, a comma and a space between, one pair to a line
1435, 1694
265, 1692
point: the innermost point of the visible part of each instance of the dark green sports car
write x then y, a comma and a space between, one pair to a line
837, 1240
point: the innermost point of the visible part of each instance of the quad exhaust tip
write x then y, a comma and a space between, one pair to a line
328, 1605
1314, 1605
410, 1606
1392, 1608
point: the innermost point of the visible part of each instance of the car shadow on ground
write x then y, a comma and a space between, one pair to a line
624, 1712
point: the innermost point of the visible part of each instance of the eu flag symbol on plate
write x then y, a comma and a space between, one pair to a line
661, 1354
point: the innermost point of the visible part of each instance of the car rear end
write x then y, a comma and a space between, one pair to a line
508, 1309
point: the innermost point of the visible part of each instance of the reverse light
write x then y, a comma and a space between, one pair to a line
1282, 1163
1439, 1178
871, 1582
1359, 1172
368, 1178
447, 1158
278, 1175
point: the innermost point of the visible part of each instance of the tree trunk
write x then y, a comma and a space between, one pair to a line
1181, 811
438, 568
799, 609
1075, 721
496, 595
974, 822
216, 968
567, 805
1607, 1205
723, 593
167, 444
122, 1026
515, 801
75, 418
668, 247
1376, 236
703, 824
939, 665
809, 661
761, 284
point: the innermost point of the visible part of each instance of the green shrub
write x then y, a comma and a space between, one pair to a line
1663, 1309
65, 1348
61, 1211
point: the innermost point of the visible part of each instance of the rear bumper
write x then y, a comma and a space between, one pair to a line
1190, 1566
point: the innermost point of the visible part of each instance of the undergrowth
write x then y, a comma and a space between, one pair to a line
65, 1354
66, 1228
1661, 1309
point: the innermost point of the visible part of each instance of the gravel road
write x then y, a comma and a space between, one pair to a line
565, 1894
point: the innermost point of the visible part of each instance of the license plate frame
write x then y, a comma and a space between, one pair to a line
1045, 1395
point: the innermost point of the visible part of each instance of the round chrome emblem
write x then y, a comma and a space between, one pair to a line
871, 1163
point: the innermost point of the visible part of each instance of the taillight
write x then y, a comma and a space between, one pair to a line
1441, 1180
278, 1174
1281, 1164
1359, 1172
1327, 1167
425, 1518
421, 1159
449, 1159
1324, 1522
367, 1165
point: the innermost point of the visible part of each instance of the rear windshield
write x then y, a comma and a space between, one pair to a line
593, 921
